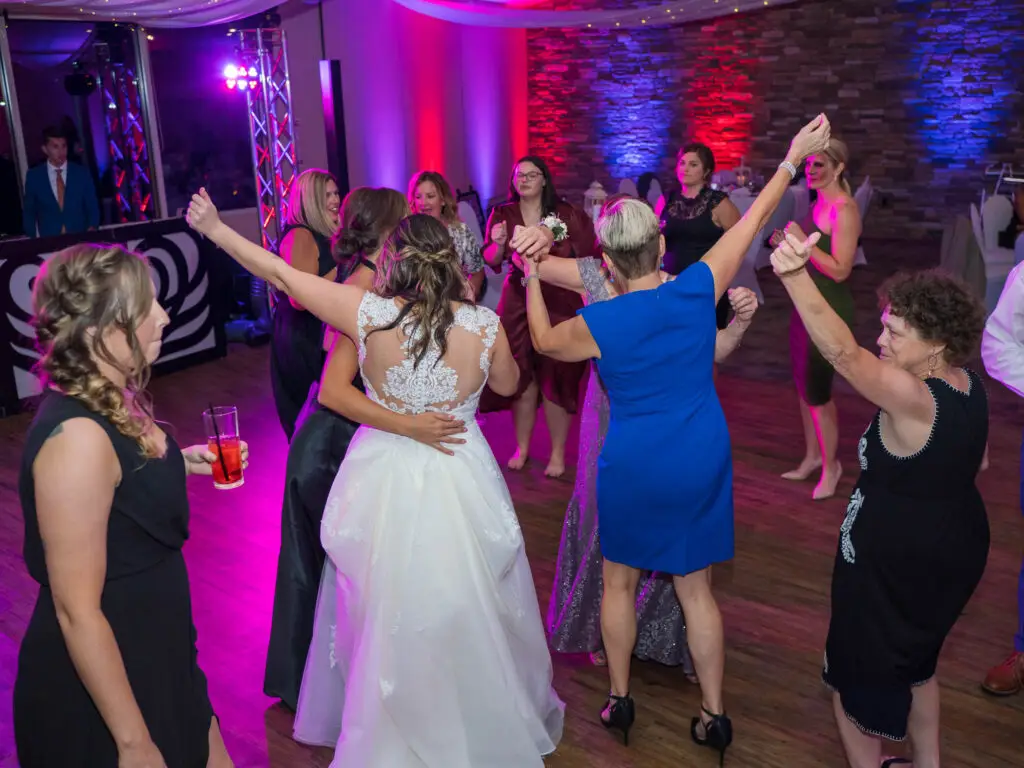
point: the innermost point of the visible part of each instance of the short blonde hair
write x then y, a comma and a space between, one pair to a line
306, 202
630, 237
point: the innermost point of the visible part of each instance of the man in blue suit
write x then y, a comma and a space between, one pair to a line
59, 196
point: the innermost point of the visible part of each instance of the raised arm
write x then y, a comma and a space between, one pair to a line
569, 341
75, 474
300, 250
556, 271
895, 391
727, 254
335, 304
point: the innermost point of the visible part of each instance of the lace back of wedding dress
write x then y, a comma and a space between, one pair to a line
448, 383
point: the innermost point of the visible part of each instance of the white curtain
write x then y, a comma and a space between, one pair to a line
495, 14
152, 13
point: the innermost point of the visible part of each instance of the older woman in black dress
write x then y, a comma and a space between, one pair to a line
915, 540
107, 671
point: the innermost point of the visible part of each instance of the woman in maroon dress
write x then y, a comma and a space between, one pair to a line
532, 203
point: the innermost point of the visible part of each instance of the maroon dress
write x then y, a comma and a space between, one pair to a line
558, 382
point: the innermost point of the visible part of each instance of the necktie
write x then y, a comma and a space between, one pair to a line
60, 195
60, 188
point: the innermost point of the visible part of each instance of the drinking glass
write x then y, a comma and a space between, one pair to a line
224, 442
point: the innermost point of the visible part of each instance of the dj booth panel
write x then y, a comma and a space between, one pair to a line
190, 281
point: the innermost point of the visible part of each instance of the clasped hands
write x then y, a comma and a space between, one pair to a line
792, 250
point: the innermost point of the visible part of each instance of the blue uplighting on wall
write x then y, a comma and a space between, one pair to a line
633, 114
963, 58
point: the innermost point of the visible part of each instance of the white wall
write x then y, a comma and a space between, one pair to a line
419, 93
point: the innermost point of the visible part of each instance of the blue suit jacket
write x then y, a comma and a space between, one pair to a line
81, 208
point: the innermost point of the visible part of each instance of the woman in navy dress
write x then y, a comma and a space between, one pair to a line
654, 345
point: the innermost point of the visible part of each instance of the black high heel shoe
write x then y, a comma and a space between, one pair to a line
717, 733
621, 714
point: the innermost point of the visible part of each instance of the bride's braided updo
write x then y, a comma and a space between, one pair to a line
80, 294
419, 264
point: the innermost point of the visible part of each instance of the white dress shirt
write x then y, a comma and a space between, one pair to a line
1002, 345
51, 171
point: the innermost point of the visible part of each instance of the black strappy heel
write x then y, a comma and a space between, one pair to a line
717, 733
621, 715
896, 761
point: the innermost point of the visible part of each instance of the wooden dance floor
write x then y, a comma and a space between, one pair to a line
774, 595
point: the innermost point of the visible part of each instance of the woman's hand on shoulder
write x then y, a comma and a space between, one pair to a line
199, 459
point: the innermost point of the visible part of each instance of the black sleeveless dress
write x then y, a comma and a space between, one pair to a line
690, 232
147, 601
911, 551
296, 345
314, 456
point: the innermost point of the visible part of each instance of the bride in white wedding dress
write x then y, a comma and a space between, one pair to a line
428, 649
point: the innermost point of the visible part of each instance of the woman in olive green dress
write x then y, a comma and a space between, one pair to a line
836, 217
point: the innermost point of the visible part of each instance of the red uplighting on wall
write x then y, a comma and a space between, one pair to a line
718, 100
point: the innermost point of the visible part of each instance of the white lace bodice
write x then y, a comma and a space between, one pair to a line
448, 384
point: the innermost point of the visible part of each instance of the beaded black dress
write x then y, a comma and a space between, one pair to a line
911, 551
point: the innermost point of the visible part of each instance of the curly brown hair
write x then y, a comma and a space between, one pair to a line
419, 264
80, 294
940, 307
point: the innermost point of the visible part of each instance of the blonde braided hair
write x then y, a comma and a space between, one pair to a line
79, 295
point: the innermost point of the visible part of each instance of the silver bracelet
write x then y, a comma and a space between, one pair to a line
789, 167
529, 277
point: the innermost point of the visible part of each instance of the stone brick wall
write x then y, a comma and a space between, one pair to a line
925, 92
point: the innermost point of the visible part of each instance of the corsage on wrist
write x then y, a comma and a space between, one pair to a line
556, 225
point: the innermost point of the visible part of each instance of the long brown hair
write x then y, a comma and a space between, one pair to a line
368, 216
420, 265
81, 293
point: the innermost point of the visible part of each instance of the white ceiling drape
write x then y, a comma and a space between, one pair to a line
493, 13
483, 13
149, 13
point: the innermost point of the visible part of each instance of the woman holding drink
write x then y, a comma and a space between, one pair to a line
107, 671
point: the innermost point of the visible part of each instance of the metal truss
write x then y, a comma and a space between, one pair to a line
271, 127
126, 138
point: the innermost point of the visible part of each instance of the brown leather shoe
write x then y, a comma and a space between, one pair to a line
1006, 679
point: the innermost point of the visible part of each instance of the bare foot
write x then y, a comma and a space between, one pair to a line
826, 487
555, 467
518, 460
598, 659
804, 471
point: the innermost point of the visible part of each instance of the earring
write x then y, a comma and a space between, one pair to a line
933, 363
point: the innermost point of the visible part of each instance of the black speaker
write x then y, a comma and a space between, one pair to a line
334, 122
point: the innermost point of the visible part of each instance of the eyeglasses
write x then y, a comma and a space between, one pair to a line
531, 176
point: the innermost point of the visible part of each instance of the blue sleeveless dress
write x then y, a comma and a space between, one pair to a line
657, 349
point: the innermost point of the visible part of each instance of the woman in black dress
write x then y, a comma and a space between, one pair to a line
334, 410
107, 672
915, 540
695, 216
296, 351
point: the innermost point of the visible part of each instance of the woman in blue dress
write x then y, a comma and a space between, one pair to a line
654, 346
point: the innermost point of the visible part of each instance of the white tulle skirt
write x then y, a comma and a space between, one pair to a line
428, 648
